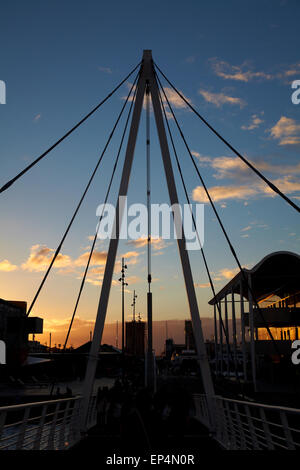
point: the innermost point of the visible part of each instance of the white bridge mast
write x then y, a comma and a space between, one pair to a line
147, 77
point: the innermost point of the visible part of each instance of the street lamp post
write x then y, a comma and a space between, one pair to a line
123, 284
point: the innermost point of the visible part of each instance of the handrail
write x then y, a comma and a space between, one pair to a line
38, 403
260, 405
250, 425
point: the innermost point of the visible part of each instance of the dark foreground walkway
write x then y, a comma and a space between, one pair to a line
190, 447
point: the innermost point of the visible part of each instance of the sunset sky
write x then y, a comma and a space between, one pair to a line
235, 61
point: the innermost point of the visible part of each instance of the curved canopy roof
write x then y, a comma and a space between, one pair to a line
277, 273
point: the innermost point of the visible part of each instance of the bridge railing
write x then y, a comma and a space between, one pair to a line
48, 425
254, 426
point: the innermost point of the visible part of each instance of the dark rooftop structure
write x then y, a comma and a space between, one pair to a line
253, 304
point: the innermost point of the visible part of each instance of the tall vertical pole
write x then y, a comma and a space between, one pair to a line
123, 308
149, 356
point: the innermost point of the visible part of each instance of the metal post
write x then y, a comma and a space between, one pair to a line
243, 332
150, 368
216, 341
234, 331
251, 324
123, 284
227, 335
123, 314
221, 336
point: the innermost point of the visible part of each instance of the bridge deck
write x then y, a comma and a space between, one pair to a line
133, 441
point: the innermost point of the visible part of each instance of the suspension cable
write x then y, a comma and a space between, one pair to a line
268, 182
100, 219
219, 220
199, 241
82, 198
13, 180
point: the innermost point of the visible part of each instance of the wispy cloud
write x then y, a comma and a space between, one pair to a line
246, 72
202, 286
242, 73
246, 184
201, 158
98, 258
219, 99
241, 192
228, 273
254, 122
156, 243
105, 69
7, 266
221, 193
235, 168
172, 96
37, 118
190, 60
41, 256
286, 131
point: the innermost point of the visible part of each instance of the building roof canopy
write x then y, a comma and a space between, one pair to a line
277, 273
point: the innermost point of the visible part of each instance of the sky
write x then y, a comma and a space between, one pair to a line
235, 61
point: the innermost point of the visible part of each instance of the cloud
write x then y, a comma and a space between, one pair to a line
246, 184
98, 258
285, 184
190, 60
219, 99
105, 69
131, 254
220, 193
41, 256
254, 123
172, 96
201, 158
7, 266
235, 168
245, 229
241, 73
228, 273
156, 243
239, 192
175, 99
37, 117
202, 286
286, 131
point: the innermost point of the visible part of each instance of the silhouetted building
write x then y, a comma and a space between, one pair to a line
169, 348
15, 327
189, 336
135, 338
274, 285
